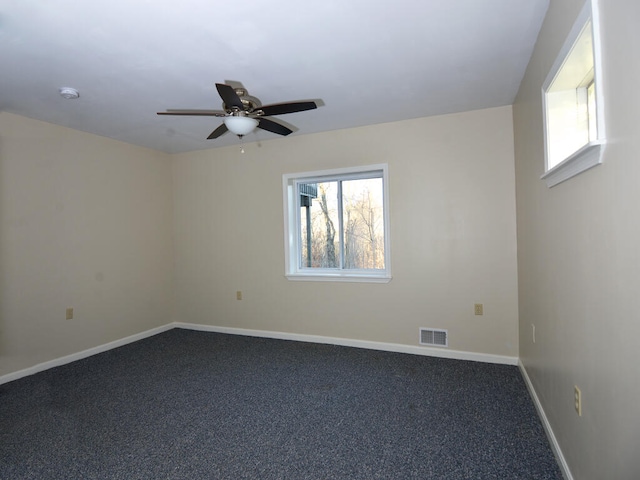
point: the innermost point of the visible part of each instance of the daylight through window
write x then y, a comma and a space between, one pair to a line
570, 101
337, 225
574, 120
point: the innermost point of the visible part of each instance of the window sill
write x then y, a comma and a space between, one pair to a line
587, 157
337, 277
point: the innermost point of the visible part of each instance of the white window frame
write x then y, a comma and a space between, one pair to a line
591, 153
293, 271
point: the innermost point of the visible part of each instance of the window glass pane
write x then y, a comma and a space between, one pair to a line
363, 219
567, 104
567, 130
319, 227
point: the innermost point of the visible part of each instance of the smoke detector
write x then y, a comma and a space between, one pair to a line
69, 93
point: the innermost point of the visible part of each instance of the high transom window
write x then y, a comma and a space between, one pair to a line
573, 106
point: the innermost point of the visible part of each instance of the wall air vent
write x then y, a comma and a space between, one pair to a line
433, 337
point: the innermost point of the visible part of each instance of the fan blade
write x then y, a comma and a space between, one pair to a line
271, 126
201, 113
218, 132
229, 96
288, 107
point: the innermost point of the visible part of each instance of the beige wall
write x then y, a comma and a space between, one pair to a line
85, 222
453, 240
579, 258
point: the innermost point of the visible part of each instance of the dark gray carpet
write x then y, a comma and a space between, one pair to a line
196, 405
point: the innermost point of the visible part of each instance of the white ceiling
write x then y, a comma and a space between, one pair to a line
370, 61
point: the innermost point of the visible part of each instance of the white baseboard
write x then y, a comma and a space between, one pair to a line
555, 446
348, 342
83, 354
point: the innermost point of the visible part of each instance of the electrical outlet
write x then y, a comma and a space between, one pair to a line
69, 313
577, 399
477, 309
238, 295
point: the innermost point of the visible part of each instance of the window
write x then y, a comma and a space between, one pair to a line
337, 225
574, 120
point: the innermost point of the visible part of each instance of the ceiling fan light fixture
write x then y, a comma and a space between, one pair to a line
243, 113
240, 125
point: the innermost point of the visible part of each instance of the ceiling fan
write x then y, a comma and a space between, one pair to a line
242, 113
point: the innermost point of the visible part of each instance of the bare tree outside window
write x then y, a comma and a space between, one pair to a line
346, 221
364, 235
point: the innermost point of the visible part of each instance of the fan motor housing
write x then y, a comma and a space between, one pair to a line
249, 102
